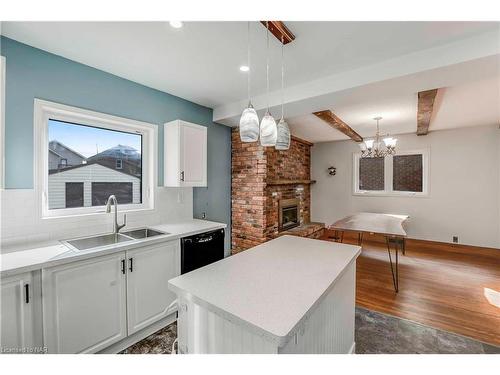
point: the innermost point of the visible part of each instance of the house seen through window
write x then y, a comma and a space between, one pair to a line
87, 164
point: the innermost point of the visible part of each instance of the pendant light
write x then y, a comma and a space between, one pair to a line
249, 121
283, 131
268, 131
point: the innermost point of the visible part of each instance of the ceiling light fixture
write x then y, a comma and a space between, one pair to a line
176, 24
283, 131
268, 131
373, 148
244, 68
249, 121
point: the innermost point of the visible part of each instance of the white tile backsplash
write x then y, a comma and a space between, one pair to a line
22, 225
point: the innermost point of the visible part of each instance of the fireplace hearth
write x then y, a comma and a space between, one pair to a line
288, 214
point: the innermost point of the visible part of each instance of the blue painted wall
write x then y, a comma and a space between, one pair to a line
34, 73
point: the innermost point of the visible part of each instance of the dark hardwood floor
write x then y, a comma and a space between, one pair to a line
441, 285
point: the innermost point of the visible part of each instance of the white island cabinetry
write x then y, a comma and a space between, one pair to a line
288, 295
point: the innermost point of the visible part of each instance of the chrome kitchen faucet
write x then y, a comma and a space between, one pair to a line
112, 200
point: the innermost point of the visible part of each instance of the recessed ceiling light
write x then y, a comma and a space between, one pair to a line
244, 68
176, 24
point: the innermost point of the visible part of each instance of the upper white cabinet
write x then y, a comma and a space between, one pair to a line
148, 296
84, 304
17, 312
185, 154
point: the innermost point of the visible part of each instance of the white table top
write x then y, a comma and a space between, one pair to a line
272, 287
37, 257
387, 224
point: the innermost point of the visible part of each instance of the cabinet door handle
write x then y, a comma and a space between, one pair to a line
27, 293
123, 266
182, 176
131, 264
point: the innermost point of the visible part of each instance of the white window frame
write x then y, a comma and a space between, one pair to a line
45, 110
121, 164
2, 121
388, 176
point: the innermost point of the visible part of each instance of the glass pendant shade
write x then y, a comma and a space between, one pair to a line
369, 143
268, 130
249, 125
389, 142
283, 135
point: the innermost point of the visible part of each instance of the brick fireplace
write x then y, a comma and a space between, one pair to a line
264, 181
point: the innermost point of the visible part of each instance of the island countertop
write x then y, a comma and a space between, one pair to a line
272, 287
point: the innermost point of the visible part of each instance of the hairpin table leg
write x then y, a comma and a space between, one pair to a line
394, 267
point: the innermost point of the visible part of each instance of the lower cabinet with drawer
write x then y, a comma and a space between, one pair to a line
92, 304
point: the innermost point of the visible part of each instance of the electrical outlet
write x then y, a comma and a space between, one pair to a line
203, 215
455, 239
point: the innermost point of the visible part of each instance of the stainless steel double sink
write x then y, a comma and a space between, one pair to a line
113, 238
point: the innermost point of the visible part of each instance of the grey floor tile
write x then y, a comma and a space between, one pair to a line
375, 333
449, 343
490, 349
415, 338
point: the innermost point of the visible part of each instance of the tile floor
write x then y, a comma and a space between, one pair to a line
376, 333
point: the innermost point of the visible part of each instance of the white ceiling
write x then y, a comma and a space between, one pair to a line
200, 62
469, 96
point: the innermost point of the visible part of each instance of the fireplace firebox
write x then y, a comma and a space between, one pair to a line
288, 214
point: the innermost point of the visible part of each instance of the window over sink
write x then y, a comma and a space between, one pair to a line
84, 156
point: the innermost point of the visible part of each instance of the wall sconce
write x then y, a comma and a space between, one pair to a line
332, 171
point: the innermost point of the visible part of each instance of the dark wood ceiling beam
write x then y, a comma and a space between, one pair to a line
279, 30
335, 122
424, 110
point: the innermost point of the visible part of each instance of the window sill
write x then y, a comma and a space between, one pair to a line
391, 194
97, 213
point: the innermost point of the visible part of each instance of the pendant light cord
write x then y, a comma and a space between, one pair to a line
282, 77
267, 63
248, 58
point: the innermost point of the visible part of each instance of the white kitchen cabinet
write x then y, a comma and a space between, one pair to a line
185, 154
17, 313
91, 304
84, 304
148, 296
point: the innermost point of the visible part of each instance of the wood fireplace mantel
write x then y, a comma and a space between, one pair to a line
290, 182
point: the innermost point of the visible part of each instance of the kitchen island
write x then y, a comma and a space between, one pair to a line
288, 295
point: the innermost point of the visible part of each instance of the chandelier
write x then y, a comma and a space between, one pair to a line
374, 148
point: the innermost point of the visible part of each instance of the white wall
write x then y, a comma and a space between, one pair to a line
498, 151
464, 186
21, 226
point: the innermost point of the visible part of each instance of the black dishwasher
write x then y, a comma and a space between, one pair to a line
201, 249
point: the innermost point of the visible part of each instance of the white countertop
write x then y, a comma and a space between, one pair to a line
34, 258
272, 287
